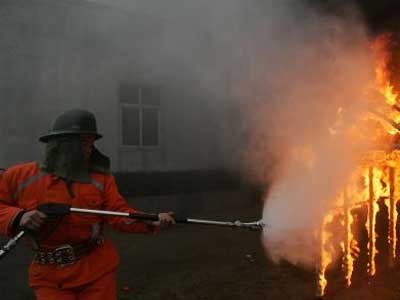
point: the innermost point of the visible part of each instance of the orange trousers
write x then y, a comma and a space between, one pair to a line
103, 288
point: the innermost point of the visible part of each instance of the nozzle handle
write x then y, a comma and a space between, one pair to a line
53, 209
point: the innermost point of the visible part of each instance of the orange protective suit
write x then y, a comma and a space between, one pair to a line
25, 186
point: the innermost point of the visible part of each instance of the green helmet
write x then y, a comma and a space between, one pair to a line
75, 121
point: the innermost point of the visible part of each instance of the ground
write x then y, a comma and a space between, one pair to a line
192, 262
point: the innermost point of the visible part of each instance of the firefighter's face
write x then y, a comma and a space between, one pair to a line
87, 142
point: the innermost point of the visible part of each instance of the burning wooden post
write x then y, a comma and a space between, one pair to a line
392, 218
319, 275
326, 256
371, 219
348, 259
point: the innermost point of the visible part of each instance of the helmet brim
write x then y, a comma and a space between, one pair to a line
46, 138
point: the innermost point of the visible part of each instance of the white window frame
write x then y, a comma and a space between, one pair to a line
140, 106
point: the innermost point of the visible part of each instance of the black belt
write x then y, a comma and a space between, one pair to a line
66, 254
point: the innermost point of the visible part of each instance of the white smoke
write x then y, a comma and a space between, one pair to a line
323, 72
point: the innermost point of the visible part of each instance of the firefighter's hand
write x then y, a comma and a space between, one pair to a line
32, 220
165, 220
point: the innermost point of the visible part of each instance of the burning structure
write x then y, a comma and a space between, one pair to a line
355, 232
372, 186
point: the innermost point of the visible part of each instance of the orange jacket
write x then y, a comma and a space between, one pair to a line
25, 186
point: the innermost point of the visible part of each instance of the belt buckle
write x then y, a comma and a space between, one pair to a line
64, 255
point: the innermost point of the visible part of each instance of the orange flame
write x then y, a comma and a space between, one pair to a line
350, 245
326, 257
384, 85
376, 190
347, 247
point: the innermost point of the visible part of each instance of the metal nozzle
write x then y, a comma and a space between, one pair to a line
258, 225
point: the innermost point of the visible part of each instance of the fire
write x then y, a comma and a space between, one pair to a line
326, 257
349, 247
380, 46
392, 214
376, 179
375, 192
344, 203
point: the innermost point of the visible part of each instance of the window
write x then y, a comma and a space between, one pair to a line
140, 115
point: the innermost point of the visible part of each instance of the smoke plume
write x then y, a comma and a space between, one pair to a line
306, 100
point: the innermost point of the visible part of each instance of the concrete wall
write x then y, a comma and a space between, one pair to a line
56, 55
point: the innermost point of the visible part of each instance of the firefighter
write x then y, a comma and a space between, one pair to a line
72, 258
